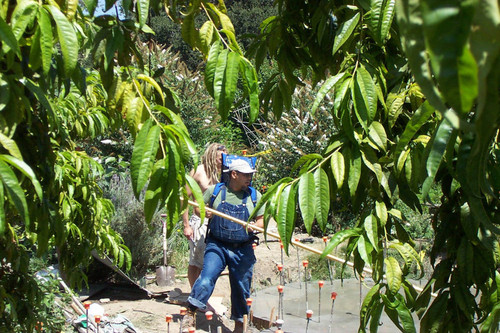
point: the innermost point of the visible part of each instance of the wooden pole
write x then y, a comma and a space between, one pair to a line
296, 243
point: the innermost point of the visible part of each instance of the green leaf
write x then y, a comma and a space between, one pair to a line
325, 88
23, 15
67, 40
440, 141
433, 321
371, 228
380, 19
405, 315
219, 91
5, 93
155, 190
364, 250
465, 256
142, 11
418, 119
230, 82
286, 215
376, 313
15, 192
26, 170
339, 238
490, 325
143, 156
378, 136
188, 30
41, 97
365, 98
223, 18
46, 39
226, 23
206, 37
71, 8
155, 85
9, 41
371, 297
173, 117
268, 195
393, 274
381, 212
233, 43
277, 103
187, 145
133, 114
307, 198
354, 171
395, 107
410, 24
3, 221
371, 162
341, 93
286, 94
251, 86
344, 32
91, 5
408, 254
197, 194
486, 123
322, 185
11, 146
447, 24
338, 168
387, 17
306, 161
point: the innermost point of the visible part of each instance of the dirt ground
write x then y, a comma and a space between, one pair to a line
148, 314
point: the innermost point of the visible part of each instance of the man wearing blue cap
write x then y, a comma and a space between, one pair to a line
228, 244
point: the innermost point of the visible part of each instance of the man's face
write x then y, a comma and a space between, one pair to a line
241, 180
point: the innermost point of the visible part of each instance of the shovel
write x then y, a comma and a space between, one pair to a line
165, 275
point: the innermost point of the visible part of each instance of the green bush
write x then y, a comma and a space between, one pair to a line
36, 296
191, 99
319, 269
144, 241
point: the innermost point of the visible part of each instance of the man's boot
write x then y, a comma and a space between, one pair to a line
238, 327
189, 320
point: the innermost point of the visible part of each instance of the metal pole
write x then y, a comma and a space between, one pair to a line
280, 301
325, 240
309, 314
86, 305
282, 278
333, 296
168, 319
320, 285
305, 263
209, 316
298, 264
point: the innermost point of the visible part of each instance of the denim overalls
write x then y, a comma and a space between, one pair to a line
237, 255
226, 230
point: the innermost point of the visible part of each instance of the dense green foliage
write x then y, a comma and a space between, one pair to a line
414, 85
245, 16
411, 94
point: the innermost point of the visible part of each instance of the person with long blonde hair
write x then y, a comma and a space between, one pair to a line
206, 174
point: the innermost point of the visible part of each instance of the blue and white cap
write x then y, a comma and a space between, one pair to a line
241, 166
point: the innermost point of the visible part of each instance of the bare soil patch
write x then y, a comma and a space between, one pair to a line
148, 314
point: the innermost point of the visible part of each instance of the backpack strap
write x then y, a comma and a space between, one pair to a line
215, 193
253, 195
219, 186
